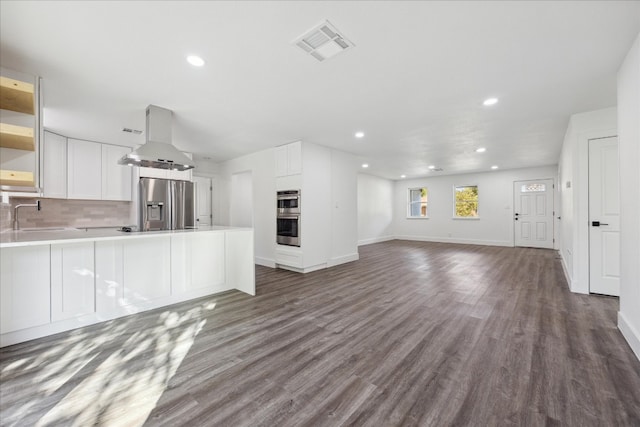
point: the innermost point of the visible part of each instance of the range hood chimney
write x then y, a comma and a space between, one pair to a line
158, 152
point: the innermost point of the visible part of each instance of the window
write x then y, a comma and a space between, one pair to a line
417, 203
529, 188
466, 201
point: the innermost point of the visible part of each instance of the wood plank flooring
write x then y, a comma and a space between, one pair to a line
413, 334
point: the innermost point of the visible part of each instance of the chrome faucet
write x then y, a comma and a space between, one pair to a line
16, 224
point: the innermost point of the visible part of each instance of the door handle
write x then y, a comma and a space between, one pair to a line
597, 223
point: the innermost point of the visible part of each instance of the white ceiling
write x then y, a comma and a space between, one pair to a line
414, 83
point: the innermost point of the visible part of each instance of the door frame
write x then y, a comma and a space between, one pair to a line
589, 216
579, 279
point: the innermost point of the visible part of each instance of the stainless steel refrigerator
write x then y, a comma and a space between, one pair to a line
166, 204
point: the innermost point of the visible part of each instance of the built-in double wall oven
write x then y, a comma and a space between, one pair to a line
288, 218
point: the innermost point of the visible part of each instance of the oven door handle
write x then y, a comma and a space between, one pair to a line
288, 216
288, 197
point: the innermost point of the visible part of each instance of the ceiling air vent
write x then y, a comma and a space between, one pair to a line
323, 41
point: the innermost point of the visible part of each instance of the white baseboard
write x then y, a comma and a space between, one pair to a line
343, 259
375, 240
302, 270
573, 287
456, 240
630, 334
265, 262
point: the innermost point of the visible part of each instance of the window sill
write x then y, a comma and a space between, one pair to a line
417, 217
466, 218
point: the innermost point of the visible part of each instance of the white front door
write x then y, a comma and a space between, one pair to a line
533, 213
203, 200
604, 217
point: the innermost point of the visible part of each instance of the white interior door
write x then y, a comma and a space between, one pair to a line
604, 217
533, 213
203, 200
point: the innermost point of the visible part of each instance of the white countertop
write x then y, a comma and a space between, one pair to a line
12, 238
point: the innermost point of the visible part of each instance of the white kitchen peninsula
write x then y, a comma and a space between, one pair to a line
54, 281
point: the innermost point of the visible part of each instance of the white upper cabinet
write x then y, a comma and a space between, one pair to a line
116, 179
84, 169
92, 171
54, 166
289, 159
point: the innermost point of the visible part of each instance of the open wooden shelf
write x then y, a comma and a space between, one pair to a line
18, 137
16, 178
16, 95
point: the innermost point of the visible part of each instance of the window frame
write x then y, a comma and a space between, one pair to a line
421, 203
455, 202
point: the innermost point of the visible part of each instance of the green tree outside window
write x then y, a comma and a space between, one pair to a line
466, 201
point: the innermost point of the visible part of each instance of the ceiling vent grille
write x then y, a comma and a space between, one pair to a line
323, 42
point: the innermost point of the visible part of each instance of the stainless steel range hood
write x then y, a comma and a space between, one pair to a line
158, 152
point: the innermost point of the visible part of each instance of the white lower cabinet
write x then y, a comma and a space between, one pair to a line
50, 288
109, 277
197, 262
132, 272
25, 296
147, 269
72, 280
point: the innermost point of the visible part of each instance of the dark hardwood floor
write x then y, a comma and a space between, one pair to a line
414, 333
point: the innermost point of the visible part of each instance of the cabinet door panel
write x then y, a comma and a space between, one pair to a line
197, 262
116, 179
147, 269
84, 166
54, 169
24, 288
72, 280
109, 277
282, 163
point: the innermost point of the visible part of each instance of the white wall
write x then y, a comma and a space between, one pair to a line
629, 149
375, 209
344, 199
574, 200
241, 211
495, 198
261, 166
330, 193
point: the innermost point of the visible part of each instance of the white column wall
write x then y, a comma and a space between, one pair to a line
262, 167
629, 149
574, 200
375, 209
344, 199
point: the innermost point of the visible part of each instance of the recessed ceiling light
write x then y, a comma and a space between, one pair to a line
494, 167
194, 60
490, 101
403, 176
364, 165
432, 167
359, 134
481, 150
